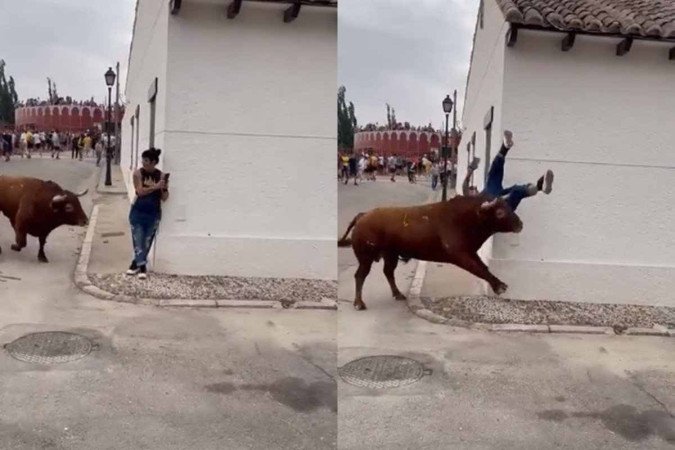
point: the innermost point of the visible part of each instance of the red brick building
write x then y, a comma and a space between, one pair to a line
406, 143
61, 117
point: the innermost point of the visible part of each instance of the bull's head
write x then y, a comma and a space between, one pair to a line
66, 206
499, 216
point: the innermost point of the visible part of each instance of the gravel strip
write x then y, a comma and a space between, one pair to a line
162, 286
485, 309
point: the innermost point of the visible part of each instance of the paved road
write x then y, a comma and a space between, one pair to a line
158, 378
491, 390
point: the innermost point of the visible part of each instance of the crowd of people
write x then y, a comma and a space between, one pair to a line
366, 166
31, 142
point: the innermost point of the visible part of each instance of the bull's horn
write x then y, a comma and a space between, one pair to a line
488, 204
59, 198
84, 193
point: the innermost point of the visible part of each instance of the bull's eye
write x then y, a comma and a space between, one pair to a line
500, 213
69, 207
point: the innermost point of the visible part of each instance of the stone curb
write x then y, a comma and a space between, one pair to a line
82, 281
417, 307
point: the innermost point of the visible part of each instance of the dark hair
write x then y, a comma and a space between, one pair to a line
152, 154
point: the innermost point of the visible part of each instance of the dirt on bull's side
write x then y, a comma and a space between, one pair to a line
493, 310
162, 286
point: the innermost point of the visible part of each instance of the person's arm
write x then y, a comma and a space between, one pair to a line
142, 191
465, 183
165, 190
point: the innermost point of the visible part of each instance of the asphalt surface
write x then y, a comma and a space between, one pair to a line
492, 390
157, 378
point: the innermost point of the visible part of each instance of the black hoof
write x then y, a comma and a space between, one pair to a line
43, 259
359, 306
15, 247
400, 296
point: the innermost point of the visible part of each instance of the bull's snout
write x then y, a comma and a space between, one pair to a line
84, 222
518, 228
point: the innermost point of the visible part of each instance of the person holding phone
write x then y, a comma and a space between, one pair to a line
146, 212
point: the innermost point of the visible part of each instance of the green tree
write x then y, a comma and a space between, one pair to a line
8, 97
347, 122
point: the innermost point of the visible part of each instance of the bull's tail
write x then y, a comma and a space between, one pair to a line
345, 241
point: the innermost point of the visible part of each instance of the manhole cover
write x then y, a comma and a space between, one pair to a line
381, 372
49, 347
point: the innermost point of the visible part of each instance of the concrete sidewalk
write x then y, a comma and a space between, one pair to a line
111, 249
118, 186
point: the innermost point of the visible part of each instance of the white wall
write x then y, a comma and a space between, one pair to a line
250, 139
484, 90
603, 124
148, 60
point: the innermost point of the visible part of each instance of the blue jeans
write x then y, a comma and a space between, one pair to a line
143, 229
434, 182
494, 185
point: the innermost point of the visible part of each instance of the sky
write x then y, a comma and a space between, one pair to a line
71, 41
408, 53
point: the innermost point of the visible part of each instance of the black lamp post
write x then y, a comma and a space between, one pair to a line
109, 81
447, 108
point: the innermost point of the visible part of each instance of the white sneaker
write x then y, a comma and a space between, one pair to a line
508, 139
142, 273
548, 182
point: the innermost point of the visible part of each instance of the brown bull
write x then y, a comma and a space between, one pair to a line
446, 232
37, 207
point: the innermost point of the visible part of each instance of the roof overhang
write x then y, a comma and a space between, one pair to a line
568, 39
290, 13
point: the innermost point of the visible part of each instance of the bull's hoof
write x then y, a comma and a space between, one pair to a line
399, 296
15, 247
500, 288
43, 259
359, 306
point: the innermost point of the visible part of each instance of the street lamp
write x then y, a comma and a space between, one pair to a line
447, 109
109, 81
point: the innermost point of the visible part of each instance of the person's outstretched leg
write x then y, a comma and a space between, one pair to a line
515, 194
494, 185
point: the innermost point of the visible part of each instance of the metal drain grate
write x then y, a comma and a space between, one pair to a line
382, 371
49, 347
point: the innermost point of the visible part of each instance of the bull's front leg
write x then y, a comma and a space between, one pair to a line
41, 254
472, 263
20, 239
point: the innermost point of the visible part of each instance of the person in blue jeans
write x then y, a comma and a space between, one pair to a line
146, 211
494, 185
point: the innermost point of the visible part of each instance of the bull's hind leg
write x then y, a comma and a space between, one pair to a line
360, 276
390, 263
41, 254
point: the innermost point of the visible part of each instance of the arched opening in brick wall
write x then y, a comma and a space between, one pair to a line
412, 143
423, 143
435, 142
403, 144
48, 121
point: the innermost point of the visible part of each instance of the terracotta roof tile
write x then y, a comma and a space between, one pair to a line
648, 18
